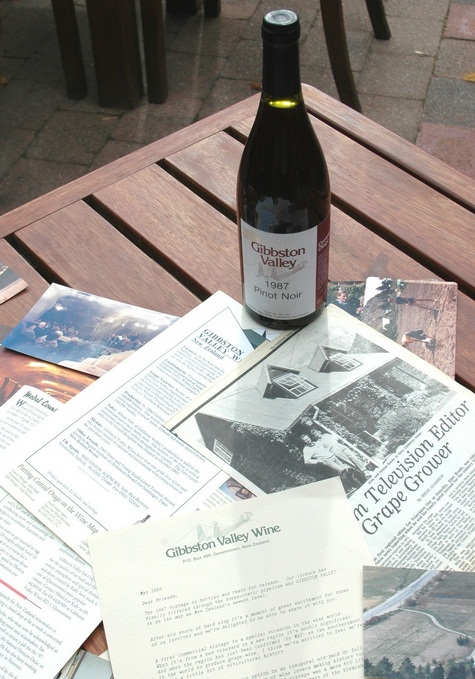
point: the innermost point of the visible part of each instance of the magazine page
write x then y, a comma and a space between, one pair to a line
271, 587
48, 602
106, 460
338, 398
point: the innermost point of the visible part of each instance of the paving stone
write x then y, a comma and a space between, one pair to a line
313, 49
435, 9
28, 104
14, 144
10, 66
212, 63
226, 91
245, 62
72, 137
207, 36
148, 122
113, 150
401, 116
461, 22
189, 77
28, 179
238, 9
24, 29
450, 102
456, 58
396, 75
321, 78
411, 35
45, 66
453, 145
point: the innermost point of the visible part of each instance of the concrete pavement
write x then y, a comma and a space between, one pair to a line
414, 84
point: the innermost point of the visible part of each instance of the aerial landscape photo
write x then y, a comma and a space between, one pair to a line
418, 623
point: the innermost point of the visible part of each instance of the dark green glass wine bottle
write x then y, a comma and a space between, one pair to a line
283, 192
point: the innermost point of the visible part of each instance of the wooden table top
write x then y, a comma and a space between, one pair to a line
157, 228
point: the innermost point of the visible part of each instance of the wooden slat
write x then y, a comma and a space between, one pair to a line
179, 226
13, 310
465, 356
83, 251
211, 165
436, 173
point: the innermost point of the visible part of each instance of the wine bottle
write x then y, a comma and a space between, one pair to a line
283, 192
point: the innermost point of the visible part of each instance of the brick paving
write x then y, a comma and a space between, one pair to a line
416, 84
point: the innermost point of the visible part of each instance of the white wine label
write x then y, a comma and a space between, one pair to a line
285, 275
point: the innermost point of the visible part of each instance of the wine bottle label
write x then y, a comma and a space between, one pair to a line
285, 276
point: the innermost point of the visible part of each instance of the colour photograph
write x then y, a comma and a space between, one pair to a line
418, 623
84, 332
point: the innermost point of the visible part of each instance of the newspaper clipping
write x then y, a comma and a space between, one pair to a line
338, 398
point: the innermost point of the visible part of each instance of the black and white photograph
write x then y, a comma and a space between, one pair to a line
326, 402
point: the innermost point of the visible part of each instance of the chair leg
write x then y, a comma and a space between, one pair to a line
337, 46
116, 51
378, 19
212, 8
153, 30
70, 48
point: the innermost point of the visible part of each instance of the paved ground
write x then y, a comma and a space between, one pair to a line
414, 84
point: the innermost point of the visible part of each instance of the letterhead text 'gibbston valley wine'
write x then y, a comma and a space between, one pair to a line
283, 192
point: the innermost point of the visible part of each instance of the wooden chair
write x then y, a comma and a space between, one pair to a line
337, 46
116, 52
335, 36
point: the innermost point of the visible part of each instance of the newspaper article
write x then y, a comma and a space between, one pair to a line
48, 602
197, 601
107, 461
338, 398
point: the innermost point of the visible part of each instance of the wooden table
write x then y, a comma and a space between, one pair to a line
157, 228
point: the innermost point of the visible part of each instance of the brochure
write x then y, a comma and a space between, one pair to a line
48, 602
106, 460
419, 315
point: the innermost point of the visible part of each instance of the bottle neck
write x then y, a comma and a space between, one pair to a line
280, 72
